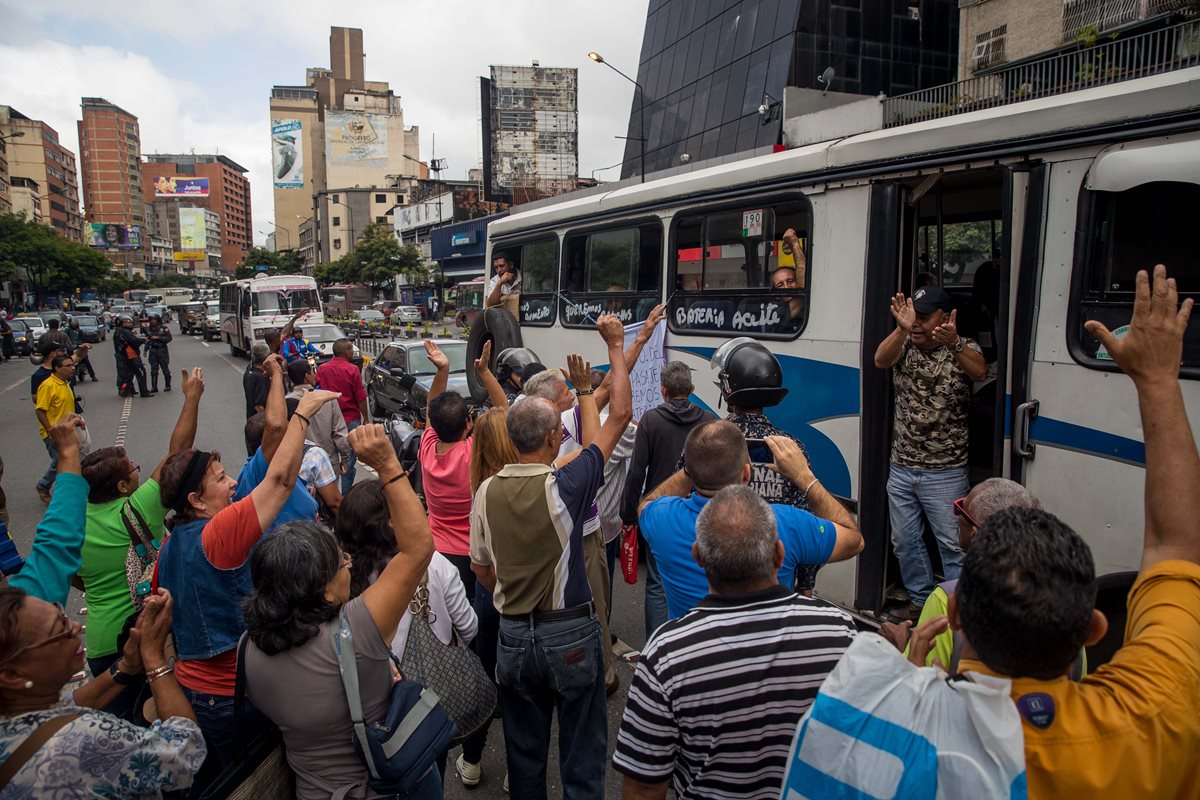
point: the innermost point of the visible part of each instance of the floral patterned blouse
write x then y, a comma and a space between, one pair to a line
101, 756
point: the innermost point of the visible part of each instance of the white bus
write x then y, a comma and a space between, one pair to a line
252, 307
1035, 216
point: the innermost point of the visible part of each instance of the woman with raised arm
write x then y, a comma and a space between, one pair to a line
302, 580
206, 559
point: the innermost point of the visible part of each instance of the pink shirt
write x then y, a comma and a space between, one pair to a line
447, 482
339, 375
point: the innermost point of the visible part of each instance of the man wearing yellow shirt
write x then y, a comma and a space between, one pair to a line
1025, 599
55, 399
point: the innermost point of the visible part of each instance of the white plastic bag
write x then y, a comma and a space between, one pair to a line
884, 728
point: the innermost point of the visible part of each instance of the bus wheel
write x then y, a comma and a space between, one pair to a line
498, 326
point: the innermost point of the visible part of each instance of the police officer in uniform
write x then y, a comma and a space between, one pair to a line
750, 379
158, 337
127, 347
513, 366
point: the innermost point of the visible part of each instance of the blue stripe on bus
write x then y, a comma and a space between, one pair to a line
1067, 436
817, 390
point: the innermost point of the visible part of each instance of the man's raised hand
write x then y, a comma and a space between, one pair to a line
484, 362
436, 357
611, 330
1152, 350
903, 311
193, 384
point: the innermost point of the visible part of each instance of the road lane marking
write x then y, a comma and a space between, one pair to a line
123, 425
205, 344
13, 386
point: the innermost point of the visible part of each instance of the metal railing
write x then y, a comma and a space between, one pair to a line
1102, 15
1165, 50
371, 339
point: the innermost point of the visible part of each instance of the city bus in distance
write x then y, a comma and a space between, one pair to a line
1034, 216
469, 297
177, 296
252, 307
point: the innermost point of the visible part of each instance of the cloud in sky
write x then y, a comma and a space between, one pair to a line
199, 76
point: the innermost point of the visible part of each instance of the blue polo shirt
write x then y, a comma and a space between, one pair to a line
300, 505
669, 527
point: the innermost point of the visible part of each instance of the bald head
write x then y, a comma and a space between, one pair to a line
736, 541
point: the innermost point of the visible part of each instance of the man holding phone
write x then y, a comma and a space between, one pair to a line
716, 455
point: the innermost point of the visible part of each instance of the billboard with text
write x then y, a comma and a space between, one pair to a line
353, 137
287, 153
112, 235
175, 186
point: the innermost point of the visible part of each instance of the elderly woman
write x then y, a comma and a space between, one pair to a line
206, 559
302, 580
53, 743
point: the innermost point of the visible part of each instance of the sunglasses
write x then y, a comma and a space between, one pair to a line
67, 633
960, 510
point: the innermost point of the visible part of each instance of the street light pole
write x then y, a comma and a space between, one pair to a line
285, 231
350, 218
599, 59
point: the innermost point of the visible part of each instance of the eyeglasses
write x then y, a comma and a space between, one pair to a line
960, 510
67, 632
134, 467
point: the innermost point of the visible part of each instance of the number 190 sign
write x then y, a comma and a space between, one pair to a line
752, 222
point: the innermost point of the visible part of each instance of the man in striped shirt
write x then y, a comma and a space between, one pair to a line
719, 691
527, 547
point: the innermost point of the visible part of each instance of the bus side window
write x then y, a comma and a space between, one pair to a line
614, 271
1128, 231
734, 274
538, 264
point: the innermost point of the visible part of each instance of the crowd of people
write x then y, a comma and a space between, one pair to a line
289, 600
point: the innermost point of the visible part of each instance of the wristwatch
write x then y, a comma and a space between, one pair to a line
960, 344
121, 678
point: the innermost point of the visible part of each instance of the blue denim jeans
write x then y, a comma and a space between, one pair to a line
656, 598
916, 495
543, 667
485, 647
214, 715
348, 478
47, 480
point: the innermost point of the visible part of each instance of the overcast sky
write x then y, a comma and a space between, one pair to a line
198, 75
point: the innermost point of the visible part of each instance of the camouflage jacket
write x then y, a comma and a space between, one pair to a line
930, 419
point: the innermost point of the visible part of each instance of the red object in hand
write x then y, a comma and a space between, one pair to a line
629, 553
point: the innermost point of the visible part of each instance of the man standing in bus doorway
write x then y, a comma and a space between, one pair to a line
932, 370
158, 337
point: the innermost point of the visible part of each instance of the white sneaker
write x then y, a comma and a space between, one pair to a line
468, 773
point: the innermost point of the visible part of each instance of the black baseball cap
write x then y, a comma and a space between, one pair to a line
928, 299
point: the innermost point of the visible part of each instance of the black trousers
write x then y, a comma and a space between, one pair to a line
160, 361
129, 372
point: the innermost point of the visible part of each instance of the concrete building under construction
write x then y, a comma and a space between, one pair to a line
530, 132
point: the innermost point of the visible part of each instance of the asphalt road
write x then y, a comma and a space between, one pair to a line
144, 427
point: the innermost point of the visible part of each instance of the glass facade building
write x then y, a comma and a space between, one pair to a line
706, 66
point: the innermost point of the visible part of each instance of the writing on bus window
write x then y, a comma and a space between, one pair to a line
586, 312
536, 311
738, 314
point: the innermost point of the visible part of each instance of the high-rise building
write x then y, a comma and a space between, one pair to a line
35, 154
6, 205
711, 74
110, 153
337, 131
214, 182
26, 198
530, 132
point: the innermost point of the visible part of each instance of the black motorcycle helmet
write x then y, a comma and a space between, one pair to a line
748, 375
514, 359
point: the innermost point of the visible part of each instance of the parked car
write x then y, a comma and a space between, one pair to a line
370, 322
211, 329
191, 317
322, 336
399, 378
36, 326
91, 329
23, 340
405, 315
386, 307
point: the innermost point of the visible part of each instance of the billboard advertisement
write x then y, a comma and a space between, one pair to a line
174, 186
355, 138
192, 256
112, 235
192, 236
287, 153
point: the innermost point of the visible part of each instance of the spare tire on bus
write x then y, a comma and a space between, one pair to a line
497, 326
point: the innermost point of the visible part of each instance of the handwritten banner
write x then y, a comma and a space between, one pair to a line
646, 376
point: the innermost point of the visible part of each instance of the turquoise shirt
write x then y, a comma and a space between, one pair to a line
58, 544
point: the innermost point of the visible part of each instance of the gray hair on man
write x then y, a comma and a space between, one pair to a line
736, 538
997, 494
259, 353
545, 384
676, 380
530, 422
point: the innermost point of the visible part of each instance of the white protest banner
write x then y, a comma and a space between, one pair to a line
646, 376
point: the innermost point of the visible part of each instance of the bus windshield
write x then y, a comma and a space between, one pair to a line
281, 301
